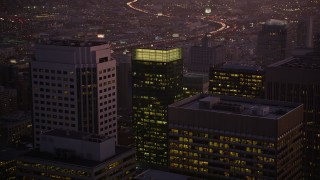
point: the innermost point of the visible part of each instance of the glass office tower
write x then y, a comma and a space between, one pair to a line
157, 83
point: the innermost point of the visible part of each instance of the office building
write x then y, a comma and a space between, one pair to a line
15, 127
8, 73
297, 79
275, 41
124, 97
157, 82
74, 88
8, 100
237, 80
16, 76
207, 55
126, 135
124, 84
194, 84
65, 154
305, 33
225, 137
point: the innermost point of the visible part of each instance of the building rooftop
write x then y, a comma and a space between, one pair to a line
75, 161
195, 75
72, 43
308, 61
241, 67
77, 135
237, 105
158, 48
152, 174
157, 54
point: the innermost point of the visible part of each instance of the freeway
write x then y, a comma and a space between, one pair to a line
131, 5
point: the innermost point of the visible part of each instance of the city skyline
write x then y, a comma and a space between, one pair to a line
159, 89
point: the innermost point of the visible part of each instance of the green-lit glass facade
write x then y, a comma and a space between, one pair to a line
237, 82
157, 83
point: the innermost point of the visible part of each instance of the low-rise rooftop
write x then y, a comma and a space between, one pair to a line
195, 75
240, 67
75, 161
77, 135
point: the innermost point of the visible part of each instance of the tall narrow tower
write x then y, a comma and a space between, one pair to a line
205, 56
157, 83
74, 88
275, 41
305, 33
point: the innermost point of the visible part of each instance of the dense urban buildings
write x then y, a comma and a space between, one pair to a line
297, 79
66, 154
219, 137
157, 83
74, 88
275, 41
207, 55
237, 80
210, 33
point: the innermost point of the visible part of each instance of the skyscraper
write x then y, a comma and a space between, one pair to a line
297, 79
157, 83
224, 137
124, 83
204, 56
74, 88
275, 41
237, 80
305, 33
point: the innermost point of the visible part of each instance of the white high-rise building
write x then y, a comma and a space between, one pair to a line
74, 88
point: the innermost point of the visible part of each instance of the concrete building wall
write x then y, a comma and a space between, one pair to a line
74, 88
97, 151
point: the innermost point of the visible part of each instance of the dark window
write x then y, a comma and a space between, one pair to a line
104, 59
